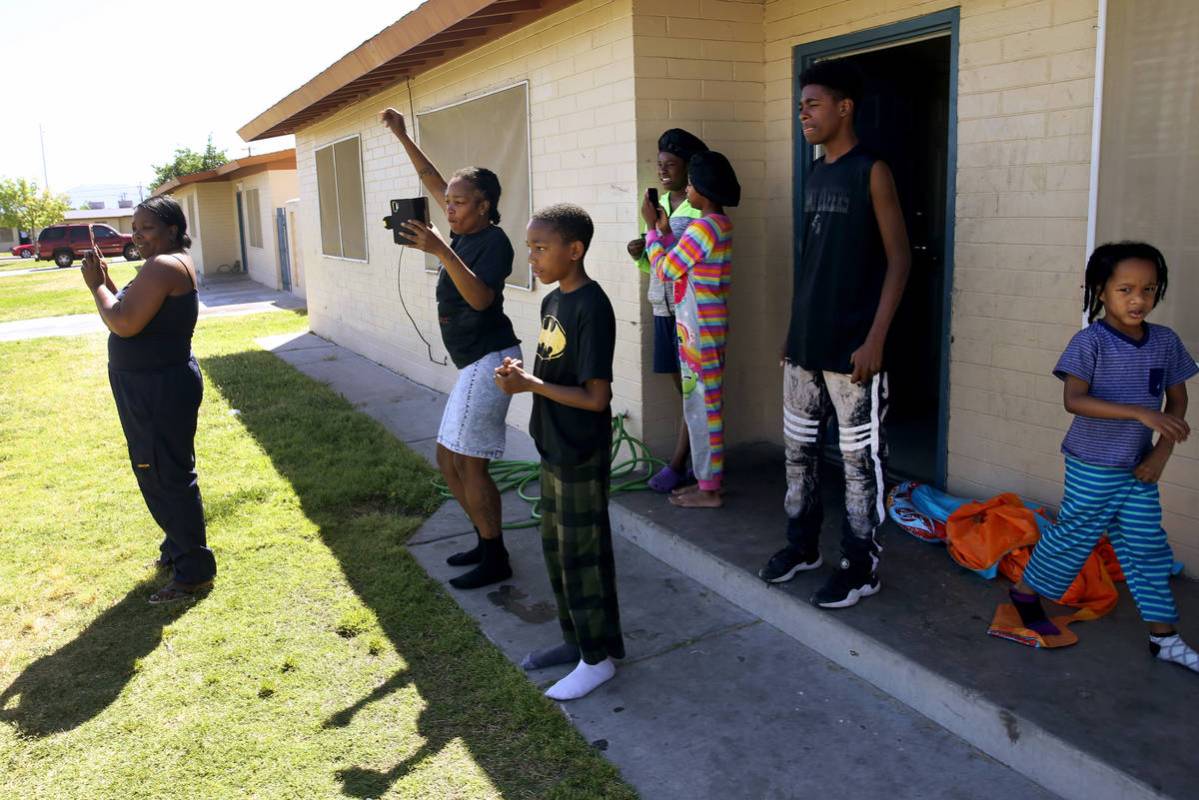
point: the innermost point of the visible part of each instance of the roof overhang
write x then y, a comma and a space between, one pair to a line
434, 33
232, 170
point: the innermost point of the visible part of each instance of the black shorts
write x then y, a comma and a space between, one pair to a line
666, 346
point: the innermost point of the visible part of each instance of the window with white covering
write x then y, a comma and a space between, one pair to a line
254, 218
192, 222
340, 199
490, 131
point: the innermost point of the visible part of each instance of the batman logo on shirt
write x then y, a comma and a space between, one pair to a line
551, 343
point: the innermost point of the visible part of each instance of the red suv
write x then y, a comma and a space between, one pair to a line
62, 244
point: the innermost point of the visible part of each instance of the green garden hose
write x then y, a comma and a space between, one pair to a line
628, 475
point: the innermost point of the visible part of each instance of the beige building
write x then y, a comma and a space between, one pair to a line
9, 238
119, 219
232, 217
1020, 132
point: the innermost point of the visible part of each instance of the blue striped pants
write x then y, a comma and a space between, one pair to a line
1111, 500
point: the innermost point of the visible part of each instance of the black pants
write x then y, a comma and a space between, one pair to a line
810, 397
158, 411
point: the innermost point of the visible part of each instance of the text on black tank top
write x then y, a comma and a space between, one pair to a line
839, 275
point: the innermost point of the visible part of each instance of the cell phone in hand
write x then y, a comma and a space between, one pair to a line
653, 197
403, 210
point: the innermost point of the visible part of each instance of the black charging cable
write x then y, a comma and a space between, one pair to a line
444, 362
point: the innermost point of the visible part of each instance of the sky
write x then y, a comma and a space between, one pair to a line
117, 86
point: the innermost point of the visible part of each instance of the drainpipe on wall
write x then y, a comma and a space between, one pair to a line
1096, 131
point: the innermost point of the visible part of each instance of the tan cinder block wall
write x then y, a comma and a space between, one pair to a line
275, 187
1025, 107
261, 262
699, 66
579, 64
193, 225
218, 225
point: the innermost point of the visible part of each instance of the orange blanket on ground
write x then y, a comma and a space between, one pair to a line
1003, 530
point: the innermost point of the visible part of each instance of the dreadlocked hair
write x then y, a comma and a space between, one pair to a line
1102, 264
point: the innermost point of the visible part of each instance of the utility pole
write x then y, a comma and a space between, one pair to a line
45, 175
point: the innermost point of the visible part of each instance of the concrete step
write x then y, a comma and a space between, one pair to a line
1098, 721
710, 703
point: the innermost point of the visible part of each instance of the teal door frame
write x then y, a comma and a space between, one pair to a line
284, 253
803, 55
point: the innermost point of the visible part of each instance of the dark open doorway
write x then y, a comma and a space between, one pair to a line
906, 117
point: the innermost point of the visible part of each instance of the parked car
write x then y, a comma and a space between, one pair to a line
63, 244
23, 251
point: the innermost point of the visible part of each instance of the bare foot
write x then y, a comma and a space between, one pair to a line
698, 499
692, 489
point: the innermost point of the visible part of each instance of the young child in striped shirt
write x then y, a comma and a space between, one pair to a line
700, 265
1116, 372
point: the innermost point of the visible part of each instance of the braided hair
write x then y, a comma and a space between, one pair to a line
488, 184
1103, 263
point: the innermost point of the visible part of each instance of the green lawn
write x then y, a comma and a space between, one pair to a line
53, 294
324, 664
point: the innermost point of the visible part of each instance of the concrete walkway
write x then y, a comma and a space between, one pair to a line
228, 296
711, 702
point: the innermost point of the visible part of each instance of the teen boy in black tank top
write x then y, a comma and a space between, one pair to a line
848, 284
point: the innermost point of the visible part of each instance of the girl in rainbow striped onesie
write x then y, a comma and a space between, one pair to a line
700, 265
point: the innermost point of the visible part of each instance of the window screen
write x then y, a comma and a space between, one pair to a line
490, 131
1149, 146
339, 196
254, 213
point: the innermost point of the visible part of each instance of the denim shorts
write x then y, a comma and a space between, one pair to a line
473, 423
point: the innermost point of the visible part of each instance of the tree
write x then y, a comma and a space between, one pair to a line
23, 206
186, 162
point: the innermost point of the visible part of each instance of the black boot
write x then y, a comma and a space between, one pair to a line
468, 557
492, 569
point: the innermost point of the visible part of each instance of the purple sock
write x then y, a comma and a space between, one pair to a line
1032, 614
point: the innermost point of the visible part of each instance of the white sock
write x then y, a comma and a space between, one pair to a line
582, 680
1173, 648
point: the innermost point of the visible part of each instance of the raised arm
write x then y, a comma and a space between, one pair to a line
428, 174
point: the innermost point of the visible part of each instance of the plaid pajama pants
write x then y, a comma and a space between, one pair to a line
576, 540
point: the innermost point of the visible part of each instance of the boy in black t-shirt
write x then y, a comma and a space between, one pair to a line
848, 284
572, 426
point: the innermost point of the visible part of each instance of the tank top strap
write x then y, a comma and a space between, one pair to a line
183, 263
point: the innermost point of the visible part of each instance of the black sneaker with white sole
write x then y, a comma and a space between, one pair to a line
786, 563
850, 583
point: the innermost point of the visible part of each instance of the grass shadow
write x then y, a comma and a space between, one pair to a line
63, 690
367, 493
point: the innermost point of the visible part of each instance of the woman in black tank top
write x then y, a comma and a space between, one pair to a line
157, 386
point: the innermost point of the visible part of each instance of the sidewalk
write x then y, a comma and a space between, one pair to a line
227, 296
711, 702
